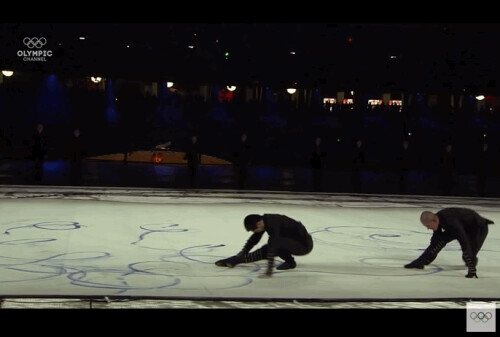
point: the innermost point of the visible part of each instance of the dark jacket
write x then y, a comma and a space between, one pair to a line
447, 161
317, 158
277, 226
461, 224
75, 149
193, 156
39, 146
242, 157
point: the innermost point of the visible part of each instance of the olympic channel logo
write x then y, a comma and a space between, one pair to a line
34, 53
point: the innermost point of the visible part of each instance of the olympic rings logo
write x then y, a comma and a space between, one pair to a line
34, 42
481, 316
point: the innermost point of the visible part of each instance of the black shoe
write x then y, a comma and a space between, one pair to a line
287, 265
414, 264
229, 262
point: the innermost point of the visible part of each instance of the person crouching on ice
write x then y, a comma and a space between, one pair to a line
287, 237
463, 224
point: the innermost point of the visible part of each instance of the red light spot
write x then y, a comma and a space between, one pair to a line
349, 39
225, 95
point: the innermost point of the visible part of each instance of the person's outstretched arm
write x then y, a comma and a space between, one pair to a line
251, 242
438, 241
240, 257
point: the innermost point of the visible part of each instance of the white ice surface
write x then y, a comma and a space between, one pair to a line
137, 242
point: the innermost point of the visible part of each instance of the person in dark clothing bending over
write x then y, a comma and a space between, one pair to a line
463, 224
286, 237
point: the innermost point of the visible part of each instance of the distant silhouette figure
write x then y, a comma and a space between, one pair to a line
358, 166
483, 167
447, 162
75, 148
38, 151
193, 157
316, 162
242, 160
2, 143
403, 161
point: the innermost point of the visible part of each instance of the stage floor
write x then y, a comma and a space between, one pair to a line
118, 243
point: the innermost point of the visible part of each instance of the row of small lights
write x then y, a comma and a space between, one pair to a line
291, 91
97, 79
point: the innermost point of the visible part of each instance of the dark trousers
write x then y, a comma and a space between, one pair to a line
242, 176
38, 168
356, 182
317, 177
478, 240
447, 183
403, 181
481, 184
76, 172
193, 170
286, 247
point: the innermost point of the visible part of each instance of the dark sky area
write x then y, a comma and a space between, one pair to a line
408, 56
